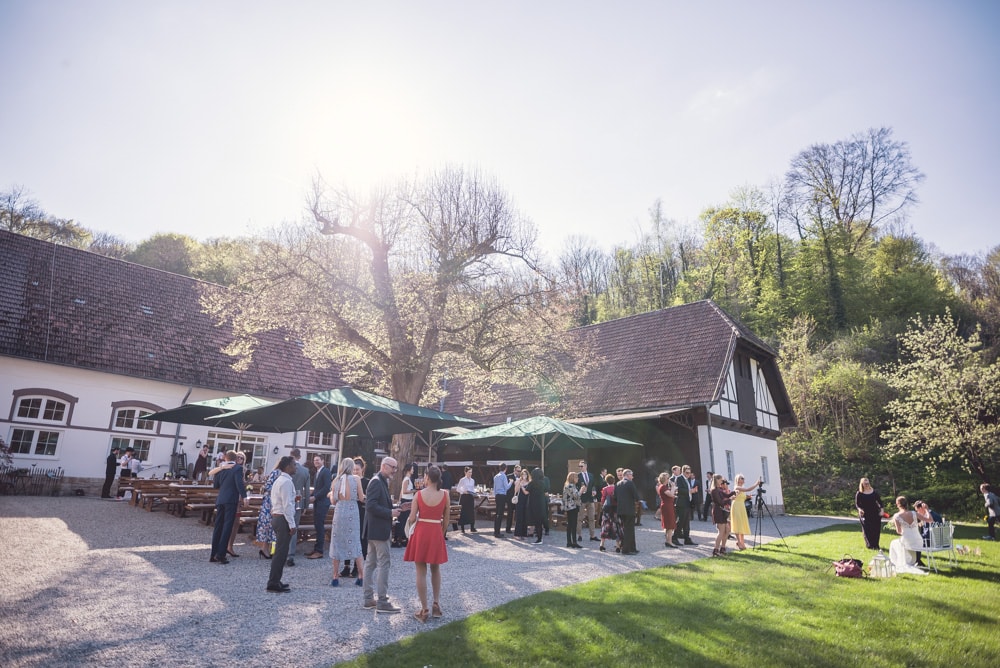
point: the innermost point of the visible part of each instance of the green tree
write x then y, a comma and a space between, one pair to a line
22, 214
176, 253
948, 406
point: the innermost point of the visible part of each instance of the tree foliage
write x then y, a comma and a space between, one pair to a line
21, 213
949, 399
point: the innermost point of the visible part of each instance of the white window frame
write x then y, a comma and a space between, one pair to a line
133, 418
764, 473
142, 446
730, 465
45, 404
33, 442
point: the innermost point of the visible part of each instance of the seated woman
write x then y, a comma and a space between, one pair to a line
903, 550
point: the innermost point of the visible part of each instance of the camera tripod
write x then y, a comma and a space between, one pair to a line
760, 507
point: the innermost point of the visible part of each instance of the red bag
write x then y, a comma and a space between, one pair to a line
848, 567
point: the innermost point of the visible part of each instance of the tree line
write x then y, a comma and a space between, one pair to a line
888, 349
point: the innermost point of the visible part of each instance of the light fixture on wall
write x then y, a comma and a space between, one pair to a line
197, 444
275, 449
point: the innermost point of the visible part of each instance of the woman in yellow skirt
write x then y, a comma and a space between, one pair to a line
740, 523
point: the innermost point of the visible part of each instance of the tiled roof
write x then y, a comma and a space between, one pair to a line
66, 306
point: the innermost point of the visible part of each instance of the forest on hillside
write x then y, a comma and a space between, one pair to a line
888, 348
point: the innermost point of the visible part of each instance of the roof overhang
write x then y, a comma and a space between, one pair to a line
629, 417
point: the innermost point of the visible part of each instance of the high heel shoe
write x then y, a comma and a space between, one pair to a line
334, 582
421, 616
263, 555
231, 553
603, 549
360, 582
436, 610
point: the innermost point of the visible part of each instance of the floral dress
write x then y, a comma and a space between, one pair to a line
265, 532
611, 524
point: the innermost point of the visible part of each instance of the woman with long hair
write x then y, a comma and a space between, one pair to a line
521, 507
721, 501
571, 506
265, 532
738, 518
345, 539
611, 525
426, 546
406, 493
870, 509
667, 491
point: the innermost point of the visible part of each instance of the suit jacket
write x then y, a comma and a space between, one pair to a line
588, 496
378, 509
301, 481
321, 485
112, 465
230, 485
683, 499
627, 496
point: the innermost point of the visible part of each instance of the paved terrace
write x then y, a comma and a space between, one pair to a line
87, 582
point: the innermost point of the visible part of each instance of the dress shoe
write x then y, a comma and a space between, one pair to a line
578, 546
369, 603
278, 589
290, 562
631, 552
595, 538
688, 541
314, 555
386, 607
473, 530
346, 572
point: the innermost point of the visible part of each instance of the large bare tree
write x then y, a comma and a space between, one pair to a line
419, 282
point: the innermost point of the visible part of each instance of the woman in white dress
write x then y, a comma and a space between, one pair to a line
903, 550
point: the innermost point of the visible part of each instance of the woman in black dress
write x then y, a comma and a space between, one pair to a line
869, 505
521, 507
537, 503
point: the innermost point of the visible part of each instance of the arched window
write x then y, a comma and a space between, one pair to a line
34, 413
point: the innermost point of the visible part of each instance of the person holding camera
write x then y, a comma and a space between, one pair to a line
721, 503
739, 521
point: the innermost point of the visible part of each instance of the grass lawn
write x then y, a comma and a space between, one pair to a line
768, 607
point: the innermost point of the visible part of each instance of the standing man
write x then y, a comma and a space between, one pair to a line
707, 506
378, 523
300, 478
283, 522
109, 472
500, 487
627, 496
232, 492
321, 505
124, 470
682, 507
585, 483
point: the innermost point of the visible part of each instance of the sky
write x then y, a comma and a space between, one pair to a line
213, 118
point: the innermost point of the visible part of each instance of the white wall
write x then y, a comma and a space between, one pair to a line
747, 450
84, 443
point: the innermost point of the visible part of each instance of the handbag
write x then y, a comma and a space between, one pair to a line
513, 500
848, 567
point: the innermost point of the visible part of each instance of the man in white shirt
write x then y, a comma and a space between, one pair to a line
500, 484
467, 499
585, 483
283, 522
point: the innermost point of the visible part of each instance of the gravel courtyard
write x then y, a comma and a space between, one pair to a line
87, 582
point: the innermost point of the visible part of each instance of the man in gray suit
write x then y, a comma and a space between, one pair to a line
301, 481
378, 525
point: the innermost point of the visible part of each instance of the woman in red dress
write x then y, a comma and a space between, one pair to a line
668, 518
425, 546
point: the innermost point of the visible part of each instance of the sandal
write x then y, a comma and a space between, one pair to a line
436, 610
421, 616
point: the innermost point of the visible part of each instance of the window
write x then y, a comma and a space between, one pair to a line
728, 406
134, 419
763, 470
767, 416
39, 408
34, 442
140, 445
319, 438
730, 466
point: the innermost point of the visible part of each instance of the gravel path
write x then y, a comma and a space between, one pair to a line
87, 582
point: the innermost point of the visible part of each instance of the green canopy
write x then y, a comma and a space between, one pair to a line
208, 413
348, 412
539, 433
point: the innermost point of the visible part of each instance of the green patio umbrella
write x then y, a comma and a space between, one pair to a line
348, 412
539, 433
208, 412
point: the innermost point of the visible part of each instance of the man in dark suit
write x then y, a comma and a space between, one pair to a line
511, 493
586, 484
232, 492
628, 497
378, 526
109, 472
682, 507
321, 505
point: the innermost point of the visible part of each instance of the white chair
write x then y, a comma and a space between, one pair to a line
942, 540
